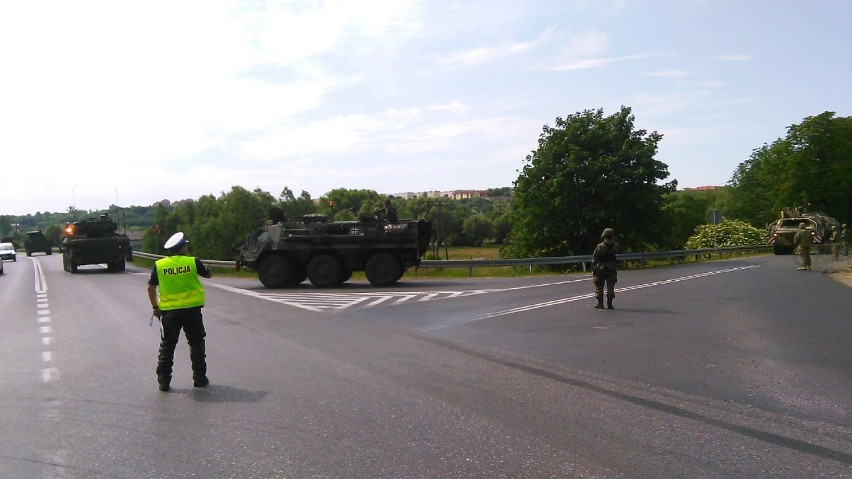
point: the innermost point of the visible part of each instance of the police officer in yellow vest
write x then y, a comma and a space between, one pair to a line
179, 307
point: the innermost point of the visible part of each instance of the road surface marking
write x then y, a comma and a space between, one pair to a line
556, 302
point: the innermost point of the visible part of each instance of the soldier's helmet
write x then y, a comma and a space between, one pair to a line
608, 233
802, 225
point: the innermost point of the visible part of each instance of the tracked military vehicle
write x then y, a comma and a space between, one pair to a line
94, 241
285, 253
783, 230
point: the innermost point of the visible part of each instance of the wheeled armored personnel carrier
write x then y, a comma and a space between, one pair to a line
94, 241
783, 230
36, 241
285, 253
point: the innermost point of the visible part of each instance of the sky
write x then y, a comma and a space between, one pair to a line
129, 103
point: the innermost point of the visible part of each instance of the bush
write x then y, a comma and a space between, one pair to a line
728, 233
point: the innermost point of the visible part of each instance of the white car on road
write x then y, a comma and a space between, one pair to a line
7, 251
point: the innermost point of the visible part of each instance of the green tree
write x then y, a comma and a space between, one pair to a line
811, 165
296, 208
213, 225
684, 211
589, 172
350, 204
502, 228
477, 228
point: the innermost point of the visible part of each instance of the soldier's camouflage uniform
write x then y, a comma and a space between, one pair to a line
605, 269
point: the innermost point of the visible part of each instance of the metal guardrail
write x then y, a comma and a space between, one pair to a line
208, 262
583, 260
543, 261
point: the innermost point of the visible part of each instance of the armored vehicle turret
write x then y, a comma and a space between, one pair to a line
285, 253
94, 241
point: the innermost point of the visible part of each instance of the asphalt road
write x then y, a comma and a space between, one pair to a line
735, 368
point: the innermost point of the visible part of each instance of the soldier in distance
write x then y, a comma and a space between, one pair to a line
605, 269
390, 213
803, 241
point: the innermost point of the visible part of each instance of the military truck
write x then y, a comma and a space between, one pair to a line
783, 230
285, 253
36, 241
94, 241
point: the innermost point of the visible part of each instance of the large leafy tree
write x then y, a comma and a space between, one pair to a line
476, 229
811, 165
687, 209
349, 204
295, 208
213, 224
589, 172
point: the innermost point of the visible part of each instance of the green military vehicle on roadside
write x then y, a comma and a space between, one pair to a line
783, 230
94, 241
285, 253
36, 242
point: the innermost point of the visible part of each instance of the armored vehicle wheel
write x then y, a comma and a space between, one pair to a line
298, 277
68, 263
275, 271
325, 270
383, 269
116, 267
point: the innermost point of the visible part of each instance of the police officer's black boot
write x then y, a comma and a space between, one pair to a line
600, 302
197, 355
164, 372
609, 302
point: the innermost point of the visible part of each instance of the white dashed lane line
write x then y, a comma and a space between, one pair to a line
49, 371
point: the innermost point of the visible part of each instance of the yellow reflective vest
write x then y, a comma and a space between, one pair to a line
179, 284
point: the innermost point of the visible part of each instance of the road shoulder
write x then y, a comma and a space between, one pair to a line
842, 272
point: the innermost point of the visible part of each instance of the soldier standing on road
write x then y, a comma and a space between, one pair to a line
803, 240
181, 298
846, 239
390, 213
605, 269
835, 243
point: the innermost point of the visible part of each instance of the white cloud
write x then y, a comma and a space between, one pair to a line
487, 54
734, 58
668, 74
588, 63
453, 106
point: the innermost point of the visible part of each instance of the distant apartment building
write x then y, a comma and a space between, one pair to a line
428, 194
467, 194
452, 195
